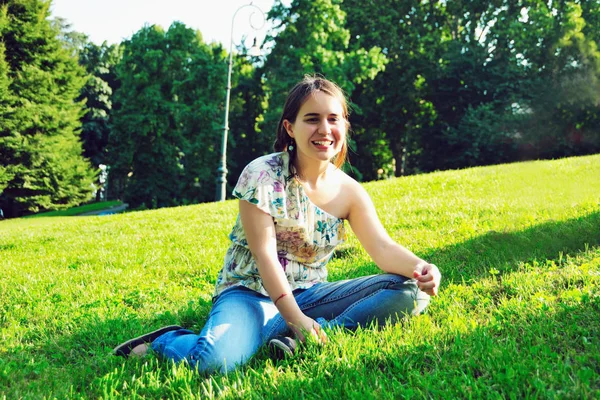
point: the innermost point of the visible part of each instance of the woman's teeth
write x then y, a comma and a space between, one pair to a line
323, 142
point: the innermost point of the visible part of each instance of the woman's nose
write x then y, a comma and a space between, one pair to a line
324, 128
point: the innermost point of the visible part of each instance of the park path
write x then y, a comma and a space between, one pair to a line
106, 211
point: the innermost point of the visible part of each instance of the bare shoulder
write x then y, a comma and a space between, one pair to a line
348, 184
352, 193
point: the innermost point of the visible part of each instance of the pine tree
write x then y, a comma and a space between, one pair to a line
41, 162
7, 170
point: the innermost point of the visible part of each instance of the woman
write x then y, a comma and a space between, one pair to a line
291, 217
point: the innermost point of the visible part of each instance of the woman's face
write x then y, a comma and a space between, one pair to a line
320, 127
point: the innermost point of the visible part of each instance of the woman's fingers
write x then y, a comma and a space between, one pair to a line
309, 327
425, 278
299, 335
320, 334
429, 287
314, 334
428, 279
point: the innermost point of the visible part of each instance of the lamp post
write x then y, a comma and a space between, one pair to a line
222, 170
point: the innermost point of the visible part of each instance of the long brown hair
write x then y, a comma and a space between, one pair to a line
295, 99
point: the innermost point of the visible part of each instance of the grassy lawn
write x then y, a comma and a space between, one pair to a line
518, 315
78, 210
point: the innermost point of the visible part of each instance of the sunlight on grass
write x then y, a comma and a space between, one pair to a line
518, 244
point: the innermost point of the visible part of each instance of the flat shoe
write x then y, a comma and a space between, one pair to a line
124, 349
281, 347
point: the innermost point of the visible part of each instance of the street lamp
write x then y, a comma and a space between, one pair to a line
222, 170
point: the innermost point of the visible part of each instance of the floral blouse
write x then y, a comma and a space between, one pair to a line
306, 235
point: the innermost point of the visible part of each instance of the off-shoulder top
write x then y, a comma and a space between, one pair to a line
306, 235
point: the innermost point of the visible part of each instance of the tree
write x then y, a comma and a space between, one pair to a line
468, 83
41, 165
166, 124
100, 63
199, 87
101, 82
311, 37
394, 113
145, 143
563, 113
247, 140
7, 100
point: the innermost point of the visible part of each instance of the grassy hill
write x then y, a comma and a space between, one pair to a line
518, 314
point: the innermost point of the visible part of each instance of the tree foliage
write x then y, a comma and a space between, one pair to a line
312, 38
432, 85
469, 83
100, 64
166, 122
41, 165
563, 115
247, 139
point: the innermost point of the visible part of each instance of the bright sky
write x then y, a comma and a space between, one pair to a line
115, 20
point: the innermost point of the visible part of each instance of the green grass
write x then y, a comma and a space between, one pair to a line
518, 315
78, 210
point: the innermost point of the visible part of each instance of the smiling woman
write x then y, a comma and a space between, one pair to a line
273, 285
320, 127
318, 113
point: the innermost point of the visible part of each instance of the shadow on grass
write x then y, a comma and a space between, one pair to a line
345, 252
524, 353
473, 259
83, 352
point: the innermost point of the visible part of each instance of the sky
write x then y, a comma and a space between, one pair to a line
115, 20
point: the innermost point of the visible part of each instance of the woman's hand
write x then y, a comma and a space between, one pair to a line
428, 279
307, 326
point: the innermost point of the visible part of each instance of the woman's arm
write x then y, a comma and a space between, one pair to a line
260, 234
387, 254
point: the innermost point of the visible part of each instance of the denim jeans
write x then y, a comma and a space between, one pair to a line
242, 320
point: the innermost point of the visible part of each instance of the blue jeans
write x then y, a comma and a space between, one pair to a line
242, 320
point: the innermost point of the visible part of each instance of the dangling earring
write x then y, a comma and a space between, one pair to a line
291, 146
